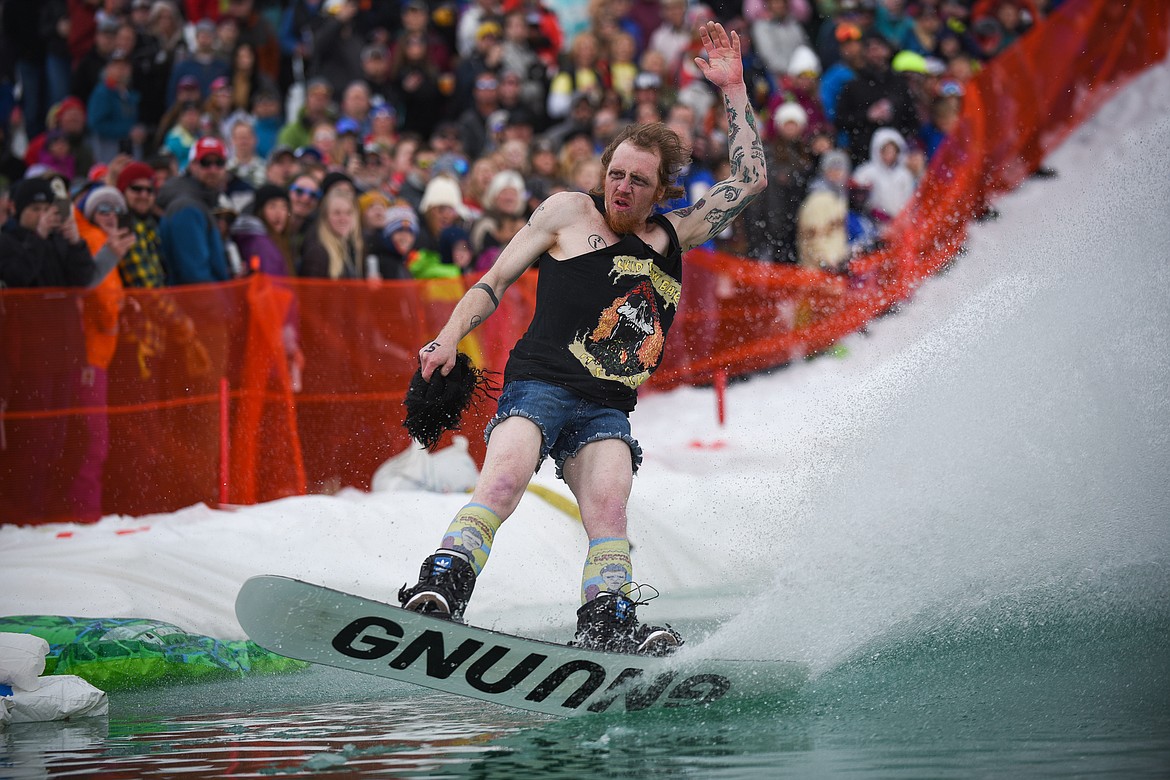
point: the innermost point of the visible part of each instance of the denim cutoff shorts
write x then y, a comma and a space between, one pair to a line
567, 421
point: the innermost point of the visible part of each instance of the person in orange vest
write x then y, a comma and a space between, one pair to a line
104, 226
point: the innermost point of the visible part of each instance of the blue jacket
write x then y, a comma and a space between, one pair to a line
193, 250
112, 113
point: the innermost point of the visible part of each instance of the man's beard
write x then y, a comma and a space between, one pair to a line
623, 223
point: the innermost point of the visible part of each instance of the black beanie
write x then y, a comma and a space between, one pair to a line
30, 191
266, 193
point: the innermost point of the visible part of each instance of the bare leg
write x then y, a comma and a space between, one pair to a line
601, 476
513, 450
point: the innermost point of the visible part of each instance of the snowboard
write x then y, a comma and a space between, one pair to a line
324, 626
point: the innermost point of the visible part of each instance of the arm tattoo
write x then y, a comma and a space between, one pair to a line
490, 293
476, 321
720, 218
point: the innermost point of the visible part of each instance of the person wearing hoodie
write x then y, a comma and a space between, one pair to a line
890, 181
193, 249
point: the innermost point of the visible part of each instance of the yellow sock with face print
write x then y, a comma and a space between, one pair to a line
607, 567
471, 533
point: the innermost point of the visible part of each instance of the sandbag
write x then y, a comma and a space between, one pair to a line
450, 470
22, 660
57, 698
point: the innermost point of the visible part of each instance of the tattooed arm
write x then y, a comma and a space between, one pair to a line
538, 236
704, 219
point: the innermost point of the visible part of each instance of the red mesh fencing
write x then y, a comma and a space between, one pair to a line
149, 434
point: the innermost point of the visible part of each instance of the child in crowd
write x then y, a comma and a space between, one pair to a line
891, 182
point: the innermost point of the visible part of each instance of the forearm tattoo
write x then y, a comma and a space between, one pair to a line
490, 293
740, 169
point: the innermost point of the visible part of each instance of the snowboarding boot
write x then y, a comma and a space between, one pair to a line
444, 587
609, 623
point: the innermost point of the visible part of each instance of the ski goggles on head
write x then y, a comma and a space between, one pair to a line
847, 32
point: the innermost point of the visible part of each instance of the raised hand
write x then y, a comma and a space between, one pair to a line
723, 65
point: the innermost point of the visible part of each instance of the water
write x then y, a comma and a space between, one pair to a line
967, 538
1072, 680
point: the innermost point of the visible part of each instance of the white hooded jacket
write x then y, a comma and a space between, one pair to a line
891, 186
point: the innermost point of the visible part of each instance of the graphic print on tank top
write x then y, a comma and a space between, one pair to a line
626, 343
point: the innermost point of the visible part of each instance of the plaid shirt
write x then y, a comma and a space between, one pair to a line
142, 266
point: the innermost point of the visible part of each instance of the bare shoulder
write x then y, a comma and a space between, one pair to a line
574, 224
562, 209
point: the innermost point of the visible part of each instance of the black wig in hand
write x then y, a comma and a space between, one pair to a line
437, 406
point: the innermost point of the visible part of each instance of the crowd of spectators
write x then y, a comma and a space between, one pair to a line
152, 143
411, 138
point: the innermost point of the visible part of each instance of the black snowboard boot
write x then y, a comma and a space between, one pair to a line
609, 623
444, 586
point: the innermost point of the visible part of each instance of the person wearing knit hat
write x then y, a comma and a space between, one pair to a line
37, 249
142, 266
441, 207
393, 242
29, 192
505, 212
803, 61
401, 218
266, 193
106, 199
372, 199
262, 234
333, 178
790, 113
134, 172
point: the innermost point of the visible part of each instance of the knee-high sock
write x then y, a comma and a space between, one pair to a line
471, 533
607, 567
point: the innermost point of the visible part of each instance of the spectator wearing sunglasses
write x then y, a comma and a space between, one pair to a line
193, 250
142, 266
304, 196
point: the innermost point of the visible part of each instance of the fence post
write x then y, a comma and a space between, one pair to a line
720, 395
224, 440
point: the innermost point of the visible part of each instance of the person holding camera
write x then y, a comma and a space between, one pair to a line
40, 248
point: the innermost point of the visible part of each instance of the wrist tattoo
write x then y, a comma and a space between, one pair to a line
490, 292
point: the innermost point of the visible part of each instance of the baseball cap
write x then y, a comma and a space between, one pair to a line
348, 125
281, 151
208, 147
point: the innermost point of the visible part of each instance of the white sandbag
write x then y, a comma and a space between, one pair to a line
58, 697
22, 660
450, 470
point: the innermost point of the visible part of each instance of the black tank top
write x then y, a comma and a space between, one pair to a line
601, 319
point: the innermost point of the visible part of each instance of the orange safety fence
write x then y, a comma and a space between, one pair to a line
146, 433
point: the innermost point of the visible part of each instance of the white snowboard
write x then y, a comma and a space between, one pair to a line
320, 625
